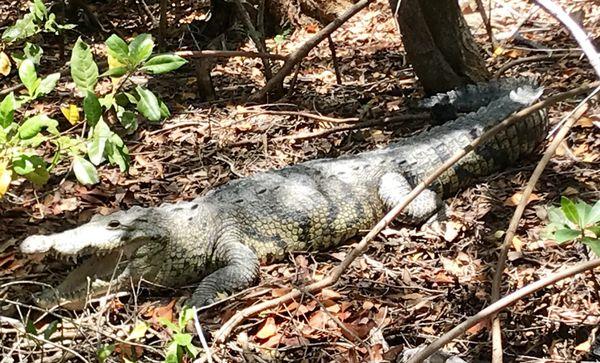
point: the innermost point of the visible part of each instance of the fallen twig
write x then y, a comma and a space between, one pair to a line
356, 126
337, 272
535, 58
303, 51
228, 54
304, 114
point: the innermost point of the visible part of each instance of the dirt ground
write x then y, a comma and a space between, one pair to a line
411, 286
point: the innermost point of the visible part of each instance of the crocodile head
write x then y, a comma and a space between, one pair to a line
113, 246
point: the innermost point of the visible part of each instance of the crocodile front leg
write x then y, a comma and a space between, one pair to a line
393, 188
240, 269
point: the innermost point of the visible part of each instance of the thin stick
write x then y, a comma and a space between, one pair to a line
304, 114
580, 36
334, 276
486, 22
228, 54
497, 356
303, 51
336, 65
355, 126
500, 305
535, 58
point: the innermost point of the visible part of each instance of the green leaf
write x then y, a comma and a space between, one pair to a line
566, 234
117, 152
38, 9
118, 49
191, 348
595, 230
32, 167
30, 327
83, 68
33, 52
168, 323
50, 329
28, 76
47, 84
140, 49
182, 339
92, 108
570, 210
105, 352
148, 104
138, 331
163, 63
164, 110
593, 243
23, 28
128, 119
100, 135
593, 215
85, 171
172, 353
7, 110
115, 72
34, 125
187, 314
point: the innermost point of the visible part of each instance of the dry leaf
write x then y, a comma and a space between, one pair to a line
517, 244
5, 179
4, 64
268, 328
585, 122
328, 294
516, 199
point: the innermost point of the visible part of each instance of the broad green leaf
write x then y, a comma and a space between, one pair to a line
71, 113
83, 68
85, 171
104, 352
28, 76
7, 110
92, 108
140, 49
163, 63
117, 153
182, 339
47, 84
187, 314
595, 230
168, 323
583, 209
191, 348
32, 126
148, 104
593, 216
593, 243
138, 331
32, 167
164, 110
33, 52
115, 72
566, 234
570, 210
38, 9
100, 135
128, 119
172, 353
118, 49
23, 28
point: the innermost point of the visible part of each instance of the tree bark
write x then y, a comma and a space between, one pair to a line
438, 44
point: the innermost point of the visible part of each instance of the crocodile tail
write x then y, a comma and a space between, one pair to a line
446, 106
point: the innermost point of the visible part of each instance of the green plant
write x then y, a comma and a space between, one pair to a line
575, 221
20, 138
181, 342
37, 20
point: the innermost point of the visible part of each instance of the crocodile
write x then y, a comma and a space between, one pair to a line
219, 240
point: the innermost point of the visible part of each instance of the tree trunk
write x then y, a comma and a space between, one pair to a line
438, 44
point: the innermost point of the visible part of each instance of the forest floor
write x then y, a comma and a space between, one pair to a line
412, 284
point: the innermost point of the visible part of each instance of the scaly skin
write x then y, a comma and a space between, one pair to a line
220, 239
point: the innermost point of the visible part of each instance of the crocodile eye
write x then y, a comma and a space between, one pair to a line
114, 224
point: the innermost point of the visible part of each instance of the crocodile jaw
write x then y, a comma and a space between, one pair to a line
96, 276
